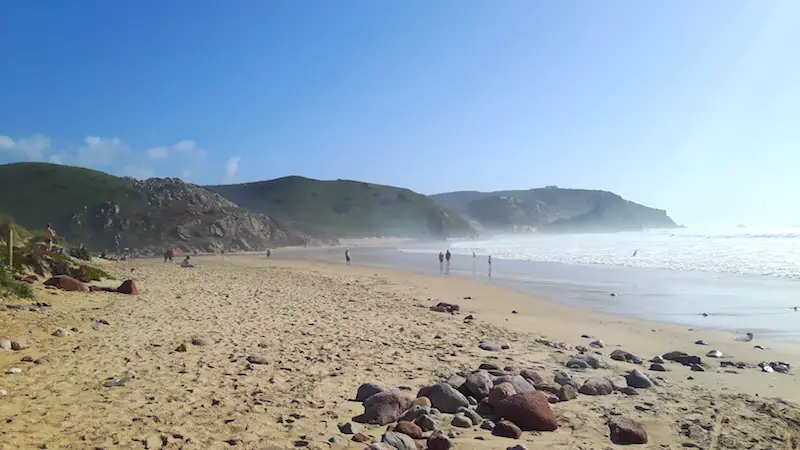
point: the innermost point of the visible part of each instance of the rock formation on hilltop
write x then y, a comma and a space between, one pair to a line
553, 209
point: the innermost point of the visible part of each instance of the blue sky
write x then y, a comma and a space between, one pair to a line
692, 106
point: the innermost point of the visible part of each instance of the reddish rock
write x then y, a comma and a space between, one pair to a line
408, 428
500, 392
625, 431
385, 407
532, 376
439, 441
504, 428
67, 283
128, 287
359, 437
529, 410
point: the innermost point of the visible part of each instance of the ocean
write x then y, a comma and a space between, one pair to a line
743, 280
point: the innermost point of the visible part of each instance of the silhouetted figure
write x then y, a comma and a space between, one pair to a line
347, 256
635, 252
473, 263
447, 263
490, 266
441, 262
269, 253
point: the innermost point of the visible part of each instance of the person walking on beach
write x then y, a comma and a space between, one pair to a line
269, 253
447, 263
347, 256
49, 236
490, 266
441, 263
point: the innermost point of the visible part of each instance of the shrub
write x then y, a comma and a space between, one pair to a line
80, 253
9, 287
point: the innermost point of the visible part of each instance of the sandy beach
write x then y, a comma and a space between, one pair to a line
281, 348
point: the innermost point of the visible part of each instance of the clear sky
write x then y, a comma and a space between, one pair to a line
692, 106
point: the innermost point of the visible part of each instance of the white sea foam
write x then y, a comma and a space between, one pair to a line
741, 251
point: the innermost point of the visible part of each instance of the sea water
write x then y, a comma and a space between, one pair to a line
737, 279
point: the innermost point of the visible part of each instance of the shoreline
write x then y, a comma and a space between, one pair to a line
733, 303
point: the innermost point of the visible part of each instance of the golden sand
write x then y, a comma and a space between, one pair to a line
321, 331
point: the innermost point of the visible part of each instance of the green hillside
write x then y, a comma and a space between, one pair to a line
346, 208
107, 212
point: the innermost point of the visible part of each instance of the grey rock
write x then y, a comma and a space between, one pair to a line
583, 362
416, 411
488, 366
567, 393
479, 384
622, 355
347, 428
426, 422
596, 386
517, 447
657, 360
714, 354
638, 379
367, 390
461, 421
456, 381
701, 342
487, 425
5, 344
334, 439
597, 344
563, 378
657, 367
472, 400
520, 383
444, 397
399, 441
681, 357
697, 368
61, 332
618, 382
472, 415
490, 347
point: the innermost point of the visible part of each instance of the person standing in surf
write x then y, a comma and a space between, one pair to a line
347, 256
447, 262
441, 263
490, 266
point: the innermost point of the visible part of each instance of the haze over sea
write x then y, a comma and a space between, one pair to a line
745, 279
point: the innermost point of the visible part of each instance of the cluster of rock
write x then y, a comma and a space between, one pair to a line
505, 402
67, 283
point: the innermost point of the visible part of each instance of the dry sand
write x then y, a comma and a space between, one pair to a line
325, 329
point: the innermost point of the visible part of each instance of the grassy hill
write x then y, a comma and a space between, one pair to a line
554, 209
346, 208
107, 212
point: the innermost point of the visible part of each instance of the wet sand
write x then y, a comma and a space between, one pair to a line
323, 329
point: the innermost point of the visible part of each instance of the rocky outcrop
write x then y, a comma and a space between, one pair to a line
553, 209
184, 216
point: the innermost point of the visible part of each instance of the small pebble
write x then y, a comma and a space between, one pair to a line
701, 342
3, 392
714, 354
14, 370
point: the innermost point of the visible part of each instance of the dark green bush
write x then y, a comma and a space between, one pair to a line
9, 287
80, 253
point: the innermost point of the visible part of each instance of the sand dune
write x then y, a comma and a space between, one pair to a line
314, 332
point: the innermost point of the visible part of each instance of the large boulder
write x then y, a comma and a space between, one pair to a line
385, 407
444, 397
529, 410
67, 283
